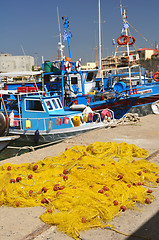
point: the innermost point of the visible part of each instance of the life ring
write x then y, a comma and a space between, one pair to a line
78, 66
124, 38
133, 40
68, 67
3, 123
156, 76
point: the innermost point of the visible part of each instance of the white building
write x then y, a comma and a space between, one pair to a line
146, 53
88, 66
9, 63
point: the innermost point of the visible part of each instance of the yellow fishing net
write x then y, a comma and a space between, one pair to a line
83, 187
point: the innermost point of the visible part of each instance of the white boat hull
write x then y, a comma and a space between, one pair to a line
4, 141
28, 137
155, 107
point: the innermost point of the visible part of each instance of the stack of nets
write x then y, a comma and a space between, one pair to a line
83, 187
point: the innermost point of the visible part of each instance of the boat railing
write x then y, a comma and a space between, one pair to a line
21, 93
53, 122
109, 110
61, 67
131, 91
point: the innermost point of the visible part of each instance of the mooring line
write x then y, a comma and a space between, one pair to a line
152, 155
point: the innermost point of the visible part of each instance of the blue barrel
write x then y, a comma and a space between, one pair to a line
120, 87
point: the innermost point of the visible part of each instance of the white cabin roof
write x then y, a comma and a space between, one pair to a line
21, 74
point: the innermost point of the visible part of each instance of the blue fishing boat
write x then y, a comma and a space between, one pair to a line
135, 84
5, 139
71, 88
128, 77
38, 117
77, 88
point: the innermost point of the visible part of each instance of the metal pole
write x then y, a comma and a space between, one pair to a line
100, 46
62, 79
61, 50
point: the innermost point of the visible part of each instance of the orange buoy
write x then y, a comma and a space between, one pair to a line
132, 40
123, 40
156, 76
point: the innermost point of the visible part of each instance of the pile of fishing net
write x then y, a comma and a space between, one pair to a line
83, 187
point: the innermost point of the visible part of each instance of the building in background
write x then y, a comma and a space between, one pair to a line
88, 66
147, 57
9, 63
146, 53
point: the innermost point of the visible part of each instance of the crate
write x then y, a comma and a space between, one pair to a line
27, 89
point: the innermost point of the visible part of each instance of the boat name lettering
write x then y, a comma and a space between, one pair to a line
145, 91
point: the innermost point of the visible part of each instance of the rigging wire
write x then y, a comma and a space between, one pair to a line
140, 34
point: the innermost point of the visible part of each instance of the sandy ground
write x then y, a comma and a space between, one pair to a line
23, 223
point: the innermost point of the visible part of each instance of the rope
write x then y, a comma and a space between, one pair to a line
26, 147
35, 147
140, 34
153, 155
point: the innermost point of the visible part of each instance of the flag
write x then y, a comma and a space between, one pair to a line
113, 41
126, 25
66, 36
70, 34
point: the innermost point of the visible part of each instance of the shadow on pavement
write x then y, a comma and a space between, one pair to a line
150, 230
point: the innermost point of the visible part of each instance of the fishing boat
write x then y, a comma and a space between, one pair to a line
128, 74
5, 140
155, 107
78, 88
12, 80
4, 128
70, 85
38, 117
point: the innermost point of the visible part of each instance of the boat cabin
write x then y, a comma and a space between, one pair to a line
38, 110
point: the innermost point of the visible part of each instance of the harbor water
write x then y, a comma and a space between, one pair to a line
16, 149
13, 150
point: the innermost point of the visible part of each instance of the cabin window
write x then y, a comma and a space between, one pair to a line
49, 105
55, 103
74, 80
59, 103
34, 105
91, 76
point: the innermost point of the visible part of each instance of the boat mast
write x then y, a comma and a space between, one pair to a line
125, 31
61, 46
100, 45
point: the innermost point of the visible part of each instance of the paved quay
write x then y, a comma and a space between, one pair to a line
24, 223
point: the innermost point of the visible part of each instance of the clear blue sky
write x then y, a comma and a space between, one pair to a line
32, 25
